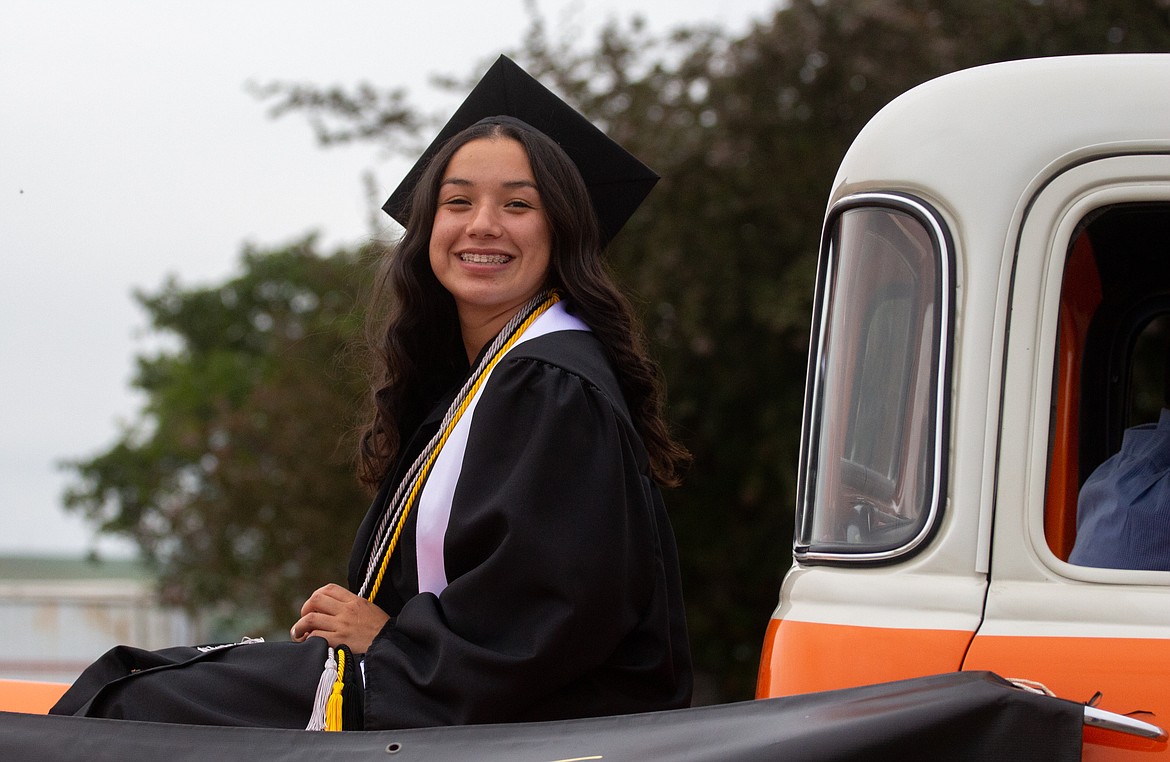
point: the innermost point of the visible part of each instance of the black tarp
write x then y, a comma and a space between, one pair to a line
960, 716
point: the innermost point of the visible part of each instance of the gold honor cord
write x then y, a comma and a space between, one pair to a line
549, 300
333, 716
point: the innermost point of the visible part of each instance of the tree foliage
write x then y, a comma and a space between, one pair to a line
236, 480
747, 133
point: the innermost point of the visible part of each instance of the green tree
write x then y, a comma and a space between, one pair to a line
237, 480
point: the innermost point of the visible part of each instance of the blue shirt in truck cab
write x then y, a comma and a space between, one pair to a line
1123, 512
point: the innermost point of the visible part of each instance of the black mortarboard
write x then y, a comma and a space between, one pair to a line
616, 180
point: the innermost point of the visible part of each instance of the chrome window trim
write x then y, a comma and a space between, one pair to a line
940, 235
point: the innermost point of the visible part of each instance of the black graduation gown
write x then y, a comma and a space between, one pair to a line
562, 594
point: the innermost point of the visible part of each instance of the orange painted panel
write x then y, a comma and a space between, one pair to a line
1079, 300
28, 696
1132, 674
802, 657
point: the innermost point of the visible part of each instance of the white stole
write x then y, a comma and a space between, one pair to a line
434, 504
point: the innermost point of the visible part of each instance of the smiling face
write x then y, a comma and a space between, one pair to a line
491, 240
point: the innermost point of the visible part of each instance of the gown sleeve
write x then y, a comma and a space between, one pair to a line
556, 595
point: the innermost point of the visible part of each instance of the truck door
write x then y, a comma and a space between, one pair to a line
1087, 360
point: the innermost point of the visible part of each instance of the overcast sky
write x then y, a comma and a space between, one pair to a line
129, 150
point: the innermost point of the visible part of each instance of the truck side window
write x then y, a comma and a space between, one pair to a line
1113, 378
872, 434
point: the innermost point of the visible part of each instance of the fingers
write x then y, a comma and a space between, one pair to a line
308, 625
335, 592
328, 599
325, 612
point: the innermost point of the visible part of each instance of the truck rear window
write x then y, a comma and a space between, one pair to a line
872, 460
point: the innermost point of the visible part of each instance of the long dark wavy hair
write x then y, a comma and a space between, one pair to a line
413, 330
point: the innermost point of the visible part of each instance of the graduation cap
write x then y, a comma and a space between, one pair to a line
616, 180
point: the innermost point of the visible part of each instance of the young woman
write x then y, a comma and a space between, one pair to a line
517, 563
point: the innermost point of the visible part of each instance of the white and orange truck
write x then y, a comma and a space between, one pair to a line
992, 313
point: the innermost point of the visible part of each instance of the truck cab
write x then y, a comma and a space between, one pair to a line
992, 315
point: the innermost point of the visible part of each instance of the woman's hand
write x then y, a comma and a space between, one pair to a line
342, 618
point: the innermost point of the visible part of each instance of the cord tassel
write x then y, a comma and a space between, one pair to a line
317, 721
333, 718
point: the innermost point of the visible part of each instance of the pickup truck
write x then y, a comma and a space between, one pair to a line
992, 313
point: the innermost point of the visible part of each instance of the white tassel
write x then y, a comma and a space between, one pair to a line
324, 689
